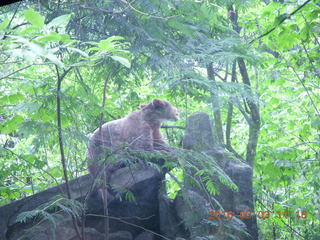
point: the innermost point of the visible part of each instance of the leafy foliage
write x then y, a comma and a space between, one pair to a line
162, 48
51, 212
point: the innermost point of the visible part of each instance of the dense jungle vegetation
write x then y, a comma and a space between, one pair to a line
253, 65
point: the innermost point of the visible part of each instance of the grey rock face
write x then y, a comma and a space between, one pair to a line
198, 135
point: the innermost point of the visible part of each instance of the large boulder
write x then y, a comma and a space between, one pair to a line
143, 183
128, 219
199, 137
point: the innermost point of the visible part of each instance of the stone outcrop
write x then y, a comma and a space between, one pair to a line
128, 220
197, 136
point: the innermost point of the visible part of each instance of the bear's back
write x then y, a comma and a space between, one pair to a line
131, 130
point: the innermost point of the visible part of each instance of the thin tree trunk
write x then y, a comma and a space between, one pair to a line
253, 121
230, 108
254, 124
215, 106
63, 159
105, 182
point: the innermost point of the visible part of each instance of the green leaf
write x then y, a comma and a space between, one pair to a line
280, 18
52, 58
129, 196
34, 18
287, 39
46, 115
52, 37
12, 99
270, 8
274, 101
184, 28
11, 125
122, 60
109, 43
211, 187
30, 158
4, 24
79, 51
60, 21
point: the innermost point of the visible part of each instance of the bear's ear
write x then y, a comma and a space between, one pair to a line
158, 103
143, 106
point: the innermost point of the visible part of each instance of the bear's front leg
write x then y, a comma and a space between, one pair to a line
158, 143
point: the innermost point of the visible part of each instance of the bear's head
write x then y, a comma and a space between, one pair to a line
159, 110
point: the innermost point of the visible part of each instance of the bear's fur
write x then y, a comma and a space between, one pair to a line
139, 130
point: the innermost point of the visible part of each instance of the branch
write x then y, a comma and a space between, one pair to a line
21, 69
254, 120
230, 108
243, 112
231, 149
166, 126
288, 226
112, 116
129, 223
79, 64
215, 105
304, 143
143, 13
104, 193
304, 86
282, 20
63, 160
13, 16
33, 165
93, 8
255, 116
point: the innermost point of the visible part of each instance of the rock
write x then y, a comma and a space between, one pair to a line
92, 234
145, 236
121, 235
198, 135
170, 224
192, 209
10, 229
143, 183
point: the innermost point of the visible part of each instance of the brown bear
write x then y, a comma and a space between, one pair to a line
139, 130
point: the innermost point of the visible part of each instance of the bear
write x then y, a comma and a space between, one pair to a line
139, 130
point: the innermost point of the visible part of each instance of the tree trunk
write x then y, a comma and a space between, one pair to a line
215, 106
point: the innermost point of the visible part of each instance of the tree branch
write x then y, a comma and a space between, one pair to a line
21, 69
143, 13
105, 200
304, 86
166, 126
230, 108
281, 21
33, 165
215, 105
254, 124
130, 224
63, 160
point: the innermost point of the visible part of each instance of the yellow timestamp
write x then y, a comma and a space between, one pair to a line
258, 214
